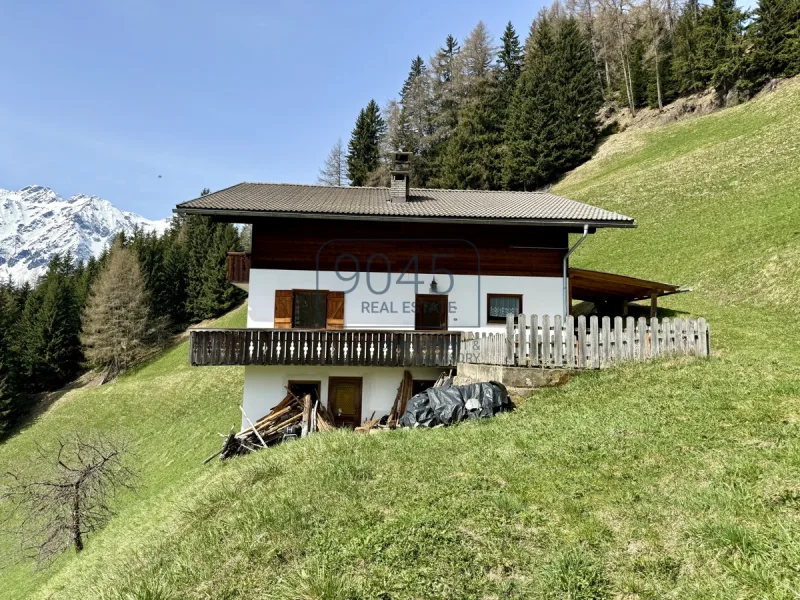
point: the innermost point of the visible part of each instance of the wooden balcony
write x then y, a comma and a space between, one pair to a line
239, 269
324, 347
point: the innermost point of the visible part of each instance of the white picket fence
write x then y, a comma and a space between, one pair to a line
534, 341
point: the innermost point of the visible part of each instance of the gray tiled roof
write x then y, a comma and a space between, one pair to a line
278, 198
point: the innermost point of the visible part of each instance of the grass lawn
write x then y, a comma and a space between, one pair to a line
677, 479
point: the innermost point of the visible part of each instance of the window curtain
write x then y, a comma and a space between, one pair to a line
503, 306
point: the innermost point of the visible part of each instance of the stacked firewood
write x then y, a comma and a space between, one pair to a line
291, 418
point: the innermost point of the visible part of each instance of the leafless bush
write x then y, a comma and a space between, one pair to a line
65, 496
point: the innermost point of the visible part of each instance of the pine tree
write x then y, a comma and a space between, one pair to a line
219, 296
363, 153
637, 74
334, 171
176, 271
686, 62
720, 44
445, 101
473, 159
9, 398
48, 344
509, 61
415, 106
774, 38
117, 325
530, 129
578, 98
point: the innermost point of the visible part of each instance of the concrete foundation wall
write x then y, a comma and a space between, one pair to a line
511, 377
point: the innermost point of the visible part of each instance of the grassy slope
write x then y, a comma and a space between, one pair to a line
166, 410
676, 479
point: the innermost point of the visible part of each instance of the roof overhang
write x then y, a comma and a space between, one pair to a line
597, 286
248, 216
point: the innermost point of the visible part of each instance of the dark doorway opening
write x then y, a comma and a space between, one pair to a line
301, 388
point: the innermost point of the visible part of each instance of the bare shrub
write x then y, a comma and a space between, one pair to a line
56, 502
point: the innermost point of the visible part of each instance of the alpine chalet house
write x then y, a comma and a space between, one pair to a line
351, 286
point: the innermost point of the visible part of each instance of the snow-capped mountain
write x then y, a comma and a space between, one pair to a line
36, 223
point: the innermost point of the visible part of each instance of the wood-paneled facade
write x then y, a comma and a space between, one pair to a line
380, 246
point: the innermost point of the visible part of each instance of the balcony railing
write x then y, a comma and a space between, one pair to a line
323, 347
238, 267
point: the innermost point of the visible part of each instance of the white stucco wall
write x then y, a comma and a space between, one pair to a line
265, 386
541, 295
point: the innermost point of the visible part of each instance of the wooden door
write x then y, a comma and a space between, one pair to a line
344, 400
430, 312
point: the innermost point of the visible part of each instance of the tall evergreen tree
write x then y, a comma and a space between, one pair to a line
9, 397
578, 98
473, 158
48, 344
530, 131
509, 57
415, 125
774, 38
363, 151
686, 48
720, 44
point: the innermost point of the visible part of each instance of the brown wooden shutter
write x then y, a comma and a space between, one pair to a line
335, 311
283, 309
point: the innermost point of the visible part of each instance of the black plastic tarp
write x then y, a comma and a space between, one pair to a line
447, 405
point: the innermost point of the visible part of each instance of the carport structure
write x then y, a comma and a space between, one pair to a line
610, 292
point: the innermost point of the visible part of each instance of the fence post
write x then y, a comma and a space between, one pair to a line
655, 346
558, 348
570, 341
702, 337
534, 340
546, 340
678, 324
594, 342
522, 350
581, 342
691, 344
619, 340
606, 342
509, 340
642, 338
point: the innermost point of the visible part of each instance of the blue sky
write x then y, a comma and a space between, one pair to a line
102, 97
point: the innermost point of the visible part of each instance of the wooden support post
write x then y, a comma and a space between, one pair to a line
653, 305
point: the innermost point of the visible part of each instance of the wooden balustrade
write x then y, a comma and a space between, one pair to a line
551, 341
323, 347
238, 267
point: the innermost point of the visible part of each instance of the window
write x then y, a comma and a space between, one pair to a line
502, 305
309, 310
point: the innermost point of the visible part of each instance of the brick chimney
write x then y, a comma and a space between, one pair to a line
401, 177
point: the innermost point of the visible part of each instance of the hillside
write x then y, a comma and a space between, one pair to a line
673, 479
36, 223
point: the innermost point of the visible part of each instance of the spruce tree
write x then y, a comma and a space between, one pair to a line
219, 294
578, 98
638, 75
473, 158
774, 40
509, 58
117, 324
363, 151
686, 50
531, 130
48, 344
720, 44
9, 398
